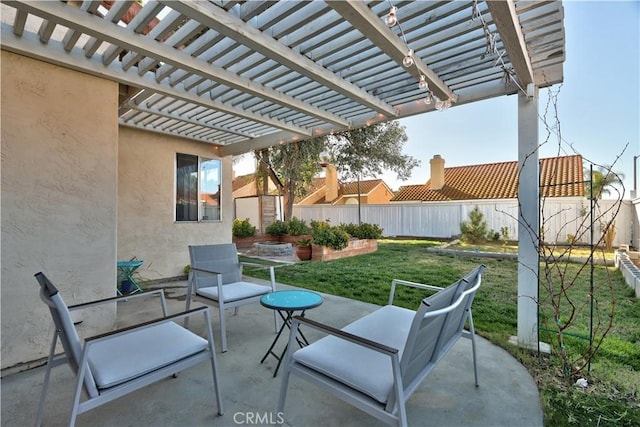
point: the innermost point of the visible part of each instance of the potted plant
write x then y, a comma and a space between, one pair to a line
303, 250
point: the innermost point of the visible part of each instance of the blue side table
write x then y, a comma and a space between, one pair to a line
125, 272
286, 303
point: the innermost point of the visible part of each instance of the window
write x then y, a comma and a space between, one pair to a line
197, 188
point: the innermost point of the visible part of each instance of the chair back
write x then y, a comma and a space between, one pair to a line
438, 323
221, 258
457, 318
66, 331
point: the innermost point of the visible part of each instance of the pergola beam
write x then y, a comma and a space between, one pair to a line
27, 46
235, 28
100, 30
506, 20
369, 24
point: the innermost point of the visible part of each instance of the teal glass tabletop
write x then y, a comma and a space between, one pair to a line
291, 300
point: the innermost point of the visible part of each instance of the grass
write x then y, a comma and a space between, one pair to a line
612, 400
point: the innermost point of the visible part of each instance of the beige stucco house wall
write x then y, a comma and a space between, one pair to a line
146, 203
380, 194
80, 192
59, 197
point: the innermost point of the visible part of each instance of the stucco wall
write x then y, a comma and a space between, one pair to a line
59, 190
146, 204
379, 195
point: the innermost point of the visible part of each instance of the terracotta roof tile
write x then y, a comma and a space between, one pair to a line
366, 186
559, 176
345, 189
242, 180
316, 185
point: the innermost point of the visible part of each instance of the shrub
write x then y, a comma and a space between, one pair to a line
351, 229
504, 231
296, 227
277, 228
363, 231
608, 234
333, 237
474, 230
243, 228
316, 225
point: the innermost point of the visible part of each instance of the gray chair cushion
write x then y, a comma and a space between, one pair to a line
234, 291
372, 374
128, 356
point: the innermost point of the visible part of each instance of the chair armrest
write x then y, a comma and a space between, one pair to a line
272, 274
372, 345
204, 270
121, 298
395, 282
255, 264
147, 324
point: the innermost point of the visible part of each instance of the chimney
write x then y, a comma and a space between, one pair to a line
437, 172
331, 183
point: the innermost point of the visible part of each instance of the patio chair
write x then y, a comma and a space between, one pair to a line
215, 278
379, 360
113, 364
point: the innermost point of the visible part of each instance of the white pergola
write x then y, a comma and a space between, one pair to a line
244, 75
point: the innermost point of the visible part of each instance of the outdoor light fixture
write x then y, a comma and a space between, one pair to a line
422, 84
429, 98
408, 59
391, 19
442, 105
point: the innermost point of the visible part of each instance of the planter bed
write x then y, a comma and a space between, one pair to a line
247, 242
356, 247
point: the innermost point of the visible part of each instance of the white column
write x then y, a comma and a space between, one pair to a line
528, 227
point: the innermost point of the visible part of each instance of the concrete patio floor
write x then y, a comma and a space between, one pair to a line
507, 395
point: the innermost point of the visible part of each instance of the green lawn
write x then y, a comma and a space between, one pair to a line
615, 371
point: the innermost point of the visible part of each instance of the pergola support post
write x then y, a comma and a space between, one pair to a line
528, 220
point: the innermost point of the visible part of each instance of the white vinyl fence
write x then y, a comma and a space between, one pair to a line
560, 217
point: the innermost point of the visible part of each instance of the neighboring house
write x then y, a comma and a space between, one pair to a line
329, 190
559, 177
261, 211
245, 186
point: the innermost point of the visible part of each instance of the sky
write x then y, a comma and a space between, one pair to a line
598, 104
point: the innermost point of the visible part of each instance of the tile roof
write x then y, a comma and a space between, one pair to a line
344, 189
242, 180
366, 186
559, 176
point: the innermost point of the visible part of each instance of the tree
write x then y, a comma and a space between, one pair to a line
474, 230
291, 167
356, 153
367, 151
602, 180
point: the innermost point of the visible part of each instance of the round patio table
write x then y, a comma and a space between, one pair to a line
286, 303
